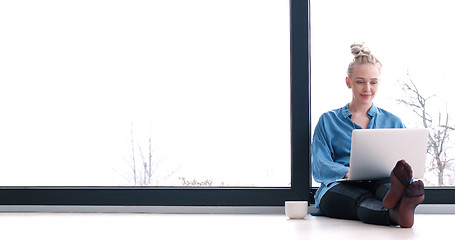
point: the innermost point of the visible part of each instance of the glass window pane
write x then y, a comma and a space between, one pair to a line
158, 93
413, 41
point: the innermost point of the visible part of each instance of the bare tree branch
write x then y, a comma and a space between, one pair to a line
439, 134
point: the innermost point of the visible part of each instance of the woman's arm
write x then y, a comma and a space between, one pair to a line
326, 168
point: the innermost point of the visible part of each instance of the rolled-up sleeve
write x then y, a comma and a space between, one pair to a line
325, 169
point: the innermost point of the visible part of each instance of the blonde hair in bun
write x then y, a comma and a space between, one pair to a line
362, 55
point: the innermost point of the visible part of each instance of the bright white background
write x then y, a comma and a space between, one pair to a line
204, 79
208, 81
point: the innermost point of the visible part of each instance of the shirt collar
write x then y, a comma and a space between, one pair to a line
371, 113
373, 110
345, 111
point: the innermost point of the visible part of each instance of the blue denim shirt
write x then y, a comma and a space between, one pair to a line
331, 147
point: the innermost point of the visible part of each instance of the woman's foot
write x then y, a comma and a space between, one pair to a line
403, 214
400, 178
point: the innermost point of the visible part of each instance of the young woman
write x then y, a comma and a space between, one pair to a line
391, 201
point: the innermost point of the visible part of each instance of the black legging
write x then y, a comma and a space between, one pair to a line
357, 201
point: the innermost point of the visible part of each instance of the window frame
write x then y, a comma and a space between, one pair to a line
227, 196
209, 196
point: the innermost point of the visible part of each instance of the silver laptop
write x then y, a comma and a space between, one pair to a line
374, 152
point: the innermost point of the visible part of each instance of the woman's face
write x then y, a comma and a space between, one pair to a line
363, 82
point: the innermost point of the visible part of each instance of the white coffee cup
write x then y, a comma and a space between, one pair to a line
296, 209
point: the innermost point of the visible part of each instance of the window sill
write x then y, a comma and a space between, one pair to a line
421, 209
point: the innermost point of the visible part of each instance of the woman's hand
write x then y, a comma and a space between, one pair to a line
347, 174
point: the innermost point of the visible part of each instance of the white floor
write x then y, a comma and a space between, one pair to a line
209, 226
